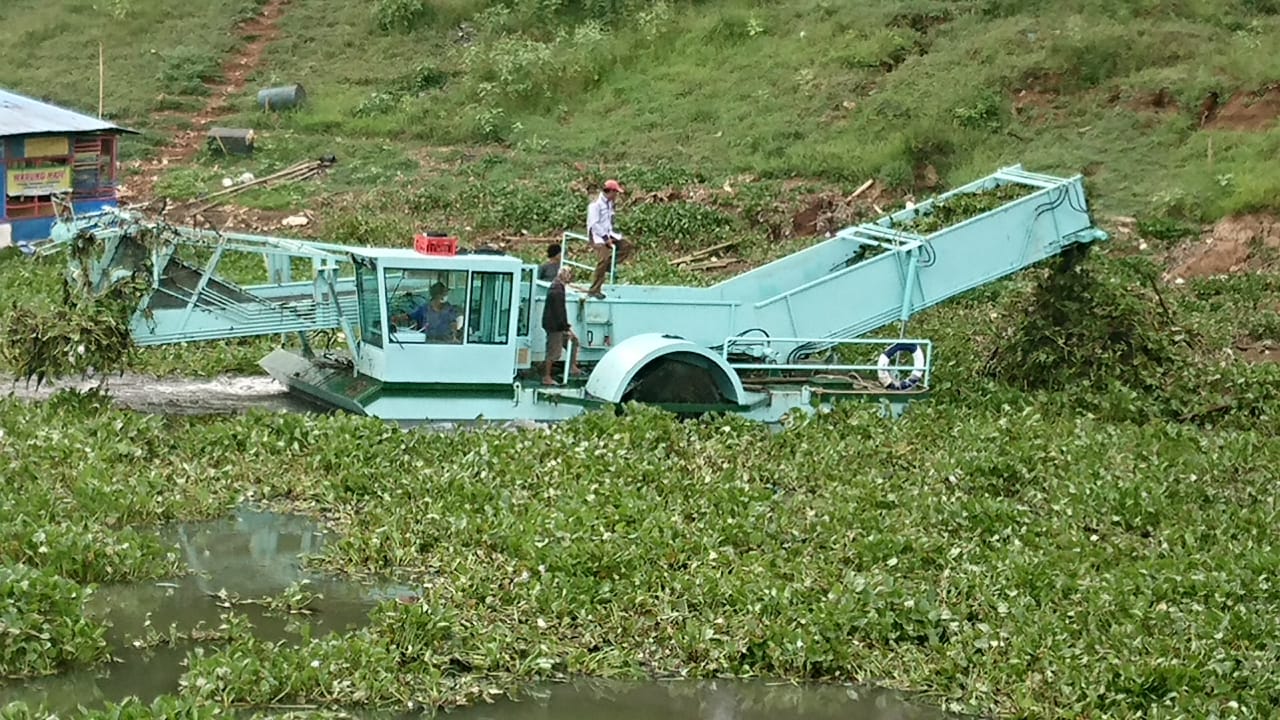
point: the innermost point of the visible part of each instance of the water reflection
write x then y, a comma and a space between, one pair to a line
248, 556
257, 554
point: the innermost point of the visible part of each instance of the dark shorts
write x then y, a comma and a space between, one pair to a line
556, 343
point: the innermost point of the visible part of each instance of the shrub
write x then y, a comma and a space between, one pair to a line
402, 15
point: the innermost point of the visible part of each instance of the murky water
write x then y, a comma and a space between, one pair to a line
249, 556
174, 395
254, 555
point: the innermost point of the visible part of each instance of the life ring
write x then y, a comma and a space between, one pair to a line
889, 379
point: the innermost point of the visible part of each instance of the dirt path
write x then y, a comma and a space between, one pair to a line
257, 34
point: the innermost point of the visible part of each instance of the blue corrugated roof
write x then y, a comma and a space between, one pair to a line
21, 115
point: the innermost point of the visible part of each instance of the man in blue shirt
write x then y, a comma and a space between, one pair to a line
438, 319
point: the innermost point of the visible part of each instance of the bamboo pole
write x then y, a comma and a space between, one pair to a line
101, 77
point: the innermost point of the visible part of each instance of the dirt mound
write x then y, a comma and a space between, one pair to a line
827, 212
1245, 111
1248, 243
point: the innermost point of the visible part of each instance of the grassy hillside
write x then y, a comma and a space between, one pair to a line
838, 92
725, 117
1079, 522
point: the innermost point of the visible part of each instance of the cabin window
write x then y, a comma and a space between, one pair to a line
426, 306
369, 304
489, 316
526, 302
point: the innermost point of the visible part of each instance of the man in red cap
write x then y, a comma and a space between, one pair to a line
603, 237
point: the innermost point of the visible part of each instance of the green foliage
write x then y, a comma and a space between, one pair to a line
184, 70
90, 329
1165, 229
985, 112
681, 224
880, 48
518, 69
402, 15
44, 626
118, 9
70, 341
944, 552
378, 103
660, 175
368, 226
1106, 495
424, 78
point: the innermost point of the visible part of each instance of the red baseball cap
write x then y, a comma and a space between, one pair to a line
612, 185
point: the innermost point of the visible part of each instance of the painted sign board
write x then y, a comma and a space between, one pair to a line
37, 181
37, 147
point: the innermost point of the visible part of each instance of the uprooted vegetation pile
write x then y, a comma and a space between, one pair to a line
1081, 328
86, 332
964, 206
1108, 340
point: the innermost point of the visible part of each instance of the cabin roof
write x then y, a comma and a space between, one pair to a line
22, 115
417, 258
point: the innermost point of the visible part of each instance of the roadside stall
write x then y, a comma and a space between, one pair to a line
49, 156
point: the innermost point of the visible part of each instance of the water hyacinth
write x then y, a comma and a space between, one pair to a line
1001, 559
42, 623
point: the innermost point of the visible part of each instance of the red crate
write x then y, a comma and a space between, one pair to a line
435, 244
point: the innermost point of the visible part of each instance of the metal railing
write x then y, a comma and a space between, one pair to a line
890, 374
591, 269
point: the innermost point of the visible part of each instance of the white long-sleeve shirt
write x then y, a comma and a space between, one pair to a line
600, 221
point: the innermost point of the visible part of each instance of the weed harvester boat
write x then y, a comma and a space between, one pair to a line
783, 337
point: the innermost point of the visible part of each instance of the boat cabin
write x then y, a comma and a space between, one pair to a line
443, 319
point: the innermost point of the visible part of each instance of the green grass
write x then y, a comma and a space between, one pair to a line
696, 90
832, 91
155, 55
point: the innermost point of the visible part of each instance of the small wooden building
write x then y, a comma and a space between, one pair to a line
47, 154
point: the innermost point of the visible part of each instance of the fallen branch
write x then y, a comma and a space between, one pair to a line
709, 265
861, 189
704, 252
